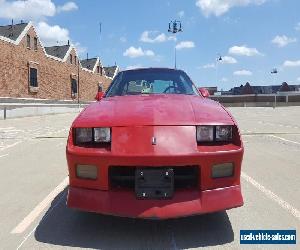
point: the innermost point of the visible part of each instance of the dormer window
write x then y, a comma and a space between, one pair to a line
99, 70
28, 41
35, 43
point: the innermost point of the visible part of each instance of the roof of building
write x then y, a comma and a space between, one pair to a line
111, 71
16, 32
57, 51
271, 89
89, 63
12, 31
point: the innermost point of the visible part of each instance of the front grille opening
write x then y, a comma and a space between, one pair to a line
122, 177
184, 176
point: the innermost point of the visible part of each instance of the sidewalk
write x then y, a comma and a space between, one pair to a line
14, 107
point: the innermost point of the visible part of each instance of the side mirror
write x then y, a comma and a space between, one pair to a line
204, 92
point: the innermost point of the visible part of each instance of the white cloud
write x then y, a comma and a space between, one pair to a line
185, 45
69, 6
209, 66
225, 60
56, 35
31, 9
243, 51
289, 63
80, 50
181, 14
123, 39
282, 41
137, 66
133, 52
220, 7
298, 79
154, 37
242, 73
228, 60
52, 35
224, 79
297, 26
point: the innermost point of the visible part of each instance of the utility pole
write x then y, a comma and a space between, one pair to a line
100, 36
174, 28
78, 70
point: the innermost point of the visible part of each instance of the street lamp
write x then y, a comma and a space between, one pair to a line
174, 28
218, 59
274, 72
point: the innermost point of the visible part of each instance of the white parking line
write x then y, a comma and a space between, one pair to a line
10, 146
7, 128
11, 130
285, 205
33, 230
283, 139
26, 222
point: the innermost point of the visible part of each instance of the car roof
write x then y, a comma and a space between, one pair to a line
150, 69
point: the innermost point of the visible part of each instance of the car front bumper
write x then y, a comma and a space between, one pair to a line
184, 203
211, 194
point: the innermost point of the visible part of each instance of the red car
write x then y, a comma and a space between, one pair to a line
154, 147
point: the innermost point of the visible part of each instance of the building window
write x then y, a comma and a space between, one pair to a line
33, 77
75, 60
73, 87
28, 41
35, 43
101, 71
71, 59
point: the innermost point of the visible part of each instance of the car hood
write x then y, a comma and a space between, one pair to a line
153, 110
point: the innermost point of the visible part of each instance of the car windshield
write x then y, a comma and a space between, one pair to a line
151, 81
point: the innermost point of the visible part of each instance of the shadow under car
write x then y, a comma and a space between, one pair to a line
66, 227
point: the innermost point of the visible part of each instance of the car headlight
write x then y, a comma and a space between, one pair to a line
102, 134
205, 133
209, 133
92, 135
223, 133
83, 135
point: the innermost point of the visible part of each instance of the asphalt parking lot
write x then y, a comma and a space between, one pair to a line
33, 183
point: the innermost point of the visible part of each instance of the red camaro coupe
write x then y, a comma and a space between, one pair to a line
154, 147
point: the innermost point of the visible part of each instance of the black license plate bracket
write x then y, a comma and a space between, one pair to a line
154, 183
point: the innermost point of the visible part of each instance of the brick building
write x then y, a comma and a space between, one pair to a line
30, 70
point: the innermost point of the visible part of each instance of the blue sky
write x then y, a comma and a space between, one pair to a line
252, 36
